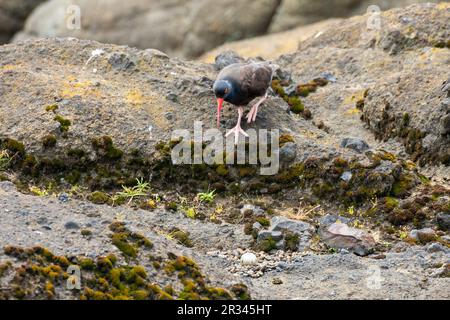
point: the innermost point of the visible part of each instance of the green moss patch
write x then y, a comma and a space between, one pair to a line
126, 241
64, 124
42, 275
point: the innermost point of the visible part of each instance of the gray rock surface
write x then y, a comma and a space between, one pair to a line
355, 144
284, 224
382, 94
303, 274
423, 235
443, 220
300, 12
288, 228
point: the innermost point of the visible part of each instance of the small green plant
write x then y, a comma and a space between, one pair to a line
332, 250
403, 234
141, 189
38, 191
351, 210
374, 202
77, 190
190, 212
4, 160
357, 224
207, 196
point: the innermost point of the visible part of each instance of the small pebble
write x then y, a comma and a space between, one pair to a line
277, 281
63, 197
71, 225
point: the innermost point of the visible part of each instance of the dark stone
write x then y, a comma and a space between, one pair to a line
443, 221
172, 97
445, 125
356, 144
63, 197
284, 76
341, 236
264, 235
328, 76
227, 58
120, 61
71, 225
288, 152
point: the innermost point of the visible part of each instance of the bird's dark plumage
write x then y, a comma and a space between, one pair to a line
239, 84
244, 82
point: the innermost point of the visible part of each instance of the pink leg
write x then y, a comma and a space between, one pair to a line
251, 116
236, 130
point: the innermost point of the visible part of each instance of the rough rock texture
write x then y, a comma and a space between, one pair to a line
108, 120
28, 221
409, 51
340, 236
423, 235
285, 234
443, 220
178, 27
300, 12
391, 78
12, 16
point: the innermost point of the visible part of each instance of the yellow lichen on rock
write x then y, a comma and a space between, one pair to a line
82, 88
8, 67
135, 98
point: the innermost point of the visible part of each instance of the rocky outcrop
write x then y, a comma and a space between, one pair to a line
390, 78
121, 107
300, 12
443, 220
117, 106
377, 93
285, 234
12, 16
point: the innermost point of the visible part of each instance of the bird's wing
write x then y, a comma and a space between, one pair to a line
256, 78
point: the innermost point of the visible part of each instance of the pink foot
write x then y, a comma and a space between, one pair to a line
237, 130
251, 116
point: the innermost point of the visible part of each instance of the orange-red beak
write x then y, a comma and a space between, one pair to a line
219, 108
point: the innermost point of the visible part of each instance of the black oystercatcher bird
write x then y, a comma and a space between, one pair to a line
239, 84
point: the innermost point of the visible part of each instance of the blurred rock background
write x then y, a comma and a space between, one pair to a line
12, 16
184, 28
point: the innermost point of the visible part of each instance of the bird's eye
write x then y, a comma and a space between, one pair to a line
226, 90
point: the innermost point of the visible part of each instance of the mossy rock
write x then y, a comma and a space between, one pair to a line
64, 124
182, 237
49, 141
99, 197
267, 245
